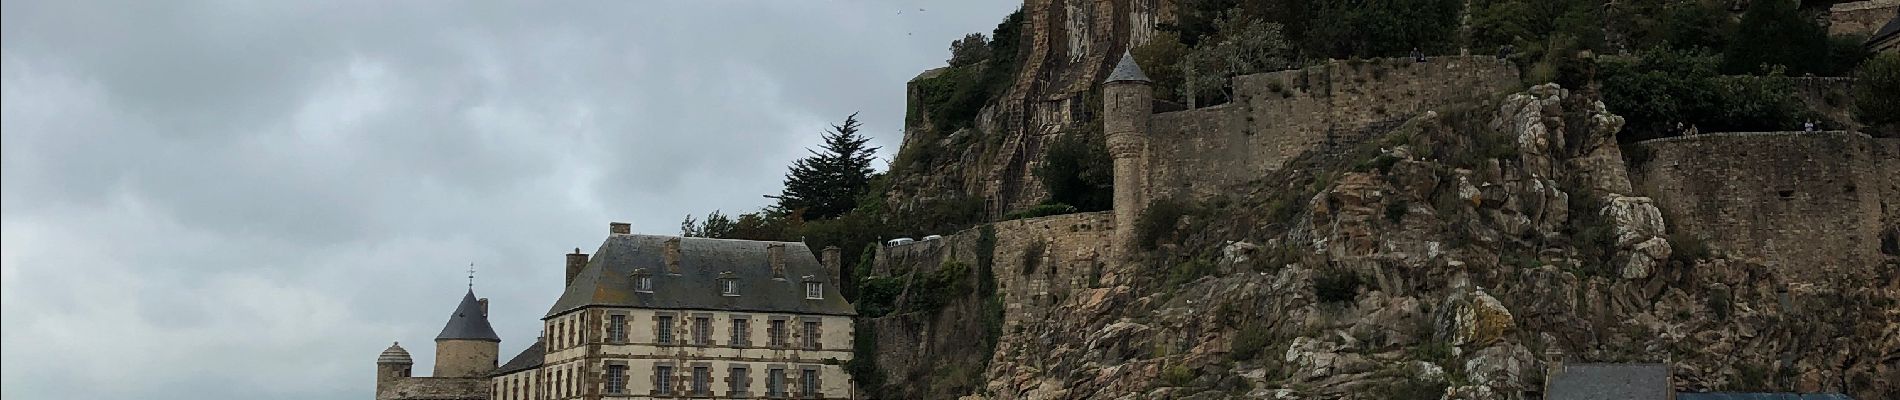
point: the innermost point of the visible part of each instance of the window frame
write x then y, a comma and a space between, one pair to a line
775, 382
808, 382
738, 380
741, 331
702, 330
616, 379
814, 291
663, 333
810, 339
663, 379
729, 287
643, 284
617, 328
702, 380
776, 333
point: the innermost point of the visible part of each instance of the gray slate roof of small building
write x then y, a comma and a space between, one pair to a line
1126, 71
1610, 382
394, 355
530, 358
1761, 396
607, 280
468, 322
1891, 28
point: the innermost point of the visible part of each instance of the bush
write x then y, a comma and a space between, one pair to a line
1662, 91
1774, 33
1078, 171
1177, 375
1383, 28
1032, 256
1592, 233
1190, 270
1158, 222
1337, 285
1250, 342
1877, 94
1041, 210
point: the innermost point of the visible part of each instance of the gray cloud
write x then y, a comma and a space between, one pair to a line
250, 199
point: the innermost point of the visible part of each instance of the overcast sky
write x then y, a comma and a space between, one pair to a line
250, 200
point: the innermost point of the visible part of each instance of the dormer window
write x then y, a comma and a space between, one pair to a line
642, 281
814, 290
729, 287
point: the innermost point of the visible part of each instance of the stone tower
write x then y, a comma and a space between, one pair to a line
393, 364
467, 346
1128, 100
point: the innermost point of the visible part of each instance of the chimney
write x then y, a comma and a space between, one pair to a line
619, 228
1553, 365
574, 263
484, 302
672, 254
833, 259
776, 253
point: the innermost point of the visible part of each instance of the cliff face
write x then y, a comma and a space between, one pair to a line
1066, 48
1455, 255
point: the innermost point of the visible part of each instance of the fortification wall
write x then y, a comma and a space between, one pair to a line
1804, 202
435, 389
1278, 116
1861, 17
1036, 261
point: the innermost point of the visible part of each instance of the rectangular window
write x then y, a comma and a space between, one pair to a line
702, 381
811, 335
702, 331
616, 379
617, 328
740, 334
666, 329
814, 290
643, 284
737, 382
663, 379
775, 383
808, 381
729, 287
777, 331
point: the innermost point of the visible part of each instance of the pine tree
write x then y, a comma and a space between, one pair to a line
827, 184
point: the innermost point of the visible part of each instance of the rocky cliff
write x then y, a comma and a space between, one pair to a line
1453, 256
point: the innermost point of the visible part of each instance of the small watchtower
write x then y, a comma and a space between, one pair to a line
467, 346
1127, 102
393, 364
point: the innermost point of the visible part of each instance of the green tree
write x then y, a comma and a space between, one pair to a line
1773, 33
1161, 58
971, 49
1877, 95
827, 184
1383, 28
1077, 171
1245, 45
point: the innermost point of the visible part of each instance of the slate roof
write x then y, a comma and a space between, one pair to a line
530, 358
394, 355
1126, 71
607, 280
1610, 382
1891, 28
468, 322
1761, 396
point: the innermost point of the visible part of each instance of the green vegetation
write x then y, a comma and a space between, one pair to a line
1158, 222
1041, 210
1160, 59
1250, 342
1245, 45
1336, 285
1177, 375
1032, 257
980, 68
828, 183
1591, 232
1077, 171
1877, 95
1190, 270
863, 365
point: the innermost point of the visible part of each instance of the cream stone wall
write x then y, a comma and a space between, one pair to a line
465, 358
520, 385
579, 352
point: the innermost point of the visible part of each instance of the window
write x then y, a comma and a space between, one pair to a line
814, 290
811, 335
777, 331
665, 334
617, 328
729, 287
741, 334
663, 379
808, 382
775, 383
616, 379
702, 331
702, 381
643, 284
736, 383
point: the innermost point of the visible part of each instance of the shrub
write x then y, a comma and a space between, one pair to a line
1877, 94
1250, 342
1078, 171
1032, 257
1188, 271
1395, 212
1337, 285
1686, 249
1592, 233
1158, 222
1177, 375
1041, 210
1774, 33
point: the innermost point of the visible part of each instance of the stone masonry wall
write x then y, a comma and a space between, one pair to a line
435, 389
1860, 17
1277, 116
1774, 195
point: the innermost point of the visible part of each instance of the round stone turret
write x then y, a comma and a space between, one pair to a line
1127, 102
393, 364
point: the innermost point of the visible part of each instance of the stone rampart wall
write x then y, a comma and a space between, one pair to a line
1860, 17
1036, 261
1278, 116
435, 389
1803, 202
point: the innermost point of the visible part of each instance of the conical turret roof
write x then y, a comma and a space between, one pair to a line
1126, 71
394, 355
468, 322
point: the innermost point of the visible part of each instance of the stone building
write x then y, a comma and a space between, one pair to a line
465, 354
660, 317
